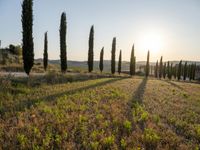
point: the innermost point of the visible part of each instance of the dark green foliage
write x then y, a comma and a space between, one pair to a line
132, 62
185, 71
160, 68
156, 70
194, 71
175, 71
63, 53
147, 65
164, 70
191, 72
101, 59
171, 71
27, 33
168, 70
120, 62
45, 55
113, 55
179, 70
91, 51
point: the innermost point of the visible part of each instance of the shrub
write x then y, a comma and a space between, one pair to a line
127, 126
109, 141
150, 138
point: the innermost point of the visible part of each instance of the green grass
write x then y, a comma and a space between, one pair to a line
67, 112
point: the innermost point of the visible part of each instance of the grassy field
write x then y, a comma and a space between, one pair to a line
104, 113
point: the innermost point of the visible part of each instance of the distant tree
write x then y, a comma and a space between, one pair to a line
164, 70
132, 62
190, 72
147, 65
91, 51
27, 33
45, 55
113, 55
185, 71
120, 62
179, 70
156, 70
160, 68
194, 71
168, 70
175, 71
101, 59
171, 70
63, 53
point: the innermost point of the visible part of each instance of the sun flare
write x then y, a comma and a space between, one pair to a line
152, 41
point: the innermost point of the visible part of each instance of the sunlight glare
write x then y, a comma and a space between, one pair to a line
152, 41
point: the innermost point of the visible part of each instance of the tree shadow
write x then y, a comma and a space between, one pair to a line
53, 79
173, 84
28, 103
137, 100
138, 94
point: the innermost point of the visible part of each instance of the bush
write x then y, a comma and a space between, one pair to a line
150, 138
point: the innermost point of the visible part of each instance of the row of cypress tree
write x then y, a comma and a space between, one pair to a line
161, 70
28, 45
177, 71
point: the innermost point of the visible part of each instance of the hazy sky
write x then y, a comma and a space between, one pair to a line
167, 27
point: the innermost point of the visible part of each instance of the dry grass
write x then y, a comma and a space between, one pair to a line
107, 113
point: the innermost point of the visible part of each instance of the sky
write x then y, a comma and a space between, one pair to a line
168, 28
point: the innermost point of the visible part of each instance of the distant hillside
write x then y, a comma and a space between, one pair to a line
107, 65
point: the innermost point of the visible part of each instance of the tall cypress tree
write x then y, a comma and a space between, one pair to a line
179, 70
191, 72
171, 71
168, 70
132, 62
194, 72
27, 35
91, 51
113, 55
63, 53
45, 55
175, 71
156, 70
185, 71
101, 59
160, 68
147, 65
164, 70
120, 62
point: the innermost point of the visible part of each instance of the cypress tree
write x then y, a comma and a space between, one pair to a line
45, 55
132, 62
160, 68
113, 55
191, 72
194, 72
27, 35
168, 70
175, 71
90, 51
185, 71
101, 59
120, 62
164, 70
147, 65
63, 53
156, 70
171, 70
179, 70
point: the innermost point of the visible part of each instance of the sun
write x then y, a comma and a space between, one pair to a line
152, 41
